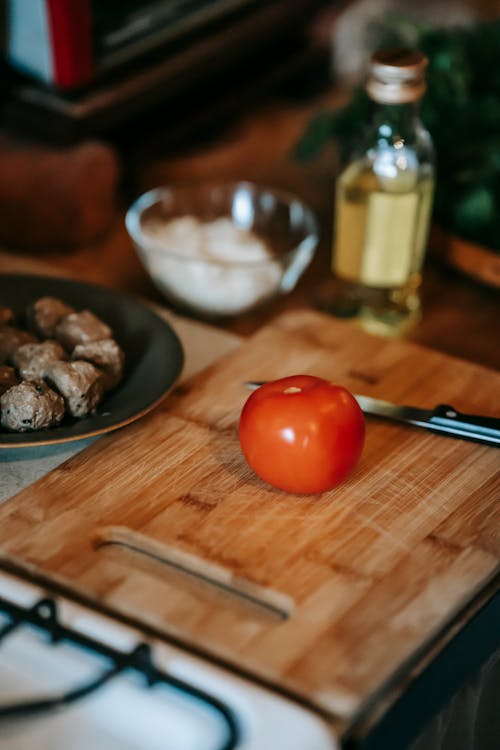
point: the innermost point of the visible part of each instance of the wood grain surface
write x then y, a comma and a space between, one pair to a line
329, 597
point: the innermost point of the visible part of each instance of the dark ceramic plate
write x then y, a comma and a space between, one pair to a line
153, 355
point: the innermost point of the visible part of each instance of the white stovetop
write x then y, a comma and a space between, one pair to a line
125, 715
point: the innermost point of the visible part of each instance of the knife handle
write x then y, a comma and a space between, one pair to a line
478, 428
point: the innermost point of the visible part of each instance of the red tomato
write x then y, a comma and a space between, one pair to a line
302, 434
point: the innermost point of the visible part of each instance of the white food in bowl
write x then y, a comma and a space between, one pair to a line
212, 267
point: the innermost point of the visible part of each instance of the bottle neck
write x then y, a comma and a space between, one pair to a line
396, 121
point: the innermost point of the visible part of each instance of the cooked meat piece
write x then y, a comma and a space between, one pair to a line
30, 406
106, 355
6, 315
79, 328
10, 340
33, 360
8, 378
44, 314
79, 383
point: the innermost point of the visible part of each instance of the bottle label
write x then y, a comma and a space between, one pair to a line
389, 241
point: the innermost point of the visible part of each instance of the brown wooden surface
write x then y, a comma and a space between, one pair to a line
460, 315
329, 597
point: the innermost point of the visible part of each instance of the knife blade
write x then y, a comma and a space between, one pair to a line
442, 419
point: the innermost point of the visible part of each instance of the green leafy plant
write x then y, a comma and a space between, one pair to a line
461, 109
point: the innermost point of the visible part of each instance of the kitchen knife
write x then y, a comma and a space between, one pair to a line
443, 418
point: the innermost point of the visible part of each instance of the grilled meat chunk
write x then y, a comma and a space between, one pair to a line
6, 315
10, 340
44, 314
106, 355
33, 360
30, 406
80, 328
65, 368
79, 383
8, 378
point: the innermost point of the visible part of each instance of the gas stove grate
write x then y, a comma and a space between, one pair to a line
43, 615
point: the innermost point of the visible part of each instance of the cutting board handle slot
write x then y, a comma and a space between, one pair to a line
271, 601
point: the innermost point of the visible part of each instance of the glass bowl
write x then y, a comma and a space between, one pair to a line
222, 249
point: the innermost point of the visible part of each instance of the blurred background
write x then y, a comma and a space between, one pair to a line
102, 99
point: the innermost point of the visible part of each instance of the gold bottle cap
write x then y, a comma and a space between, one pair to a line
396, 76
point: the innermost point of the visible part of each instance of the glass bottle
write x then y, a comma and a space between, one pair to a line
383, 203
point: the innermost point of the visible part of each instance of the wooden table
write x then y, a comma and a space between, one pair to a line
460, 316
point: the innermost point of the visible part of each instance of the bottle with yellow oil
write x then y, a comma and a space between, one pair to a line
383, 203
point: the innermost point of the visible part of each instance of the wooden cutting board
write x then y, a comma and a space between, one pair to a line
333, 598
